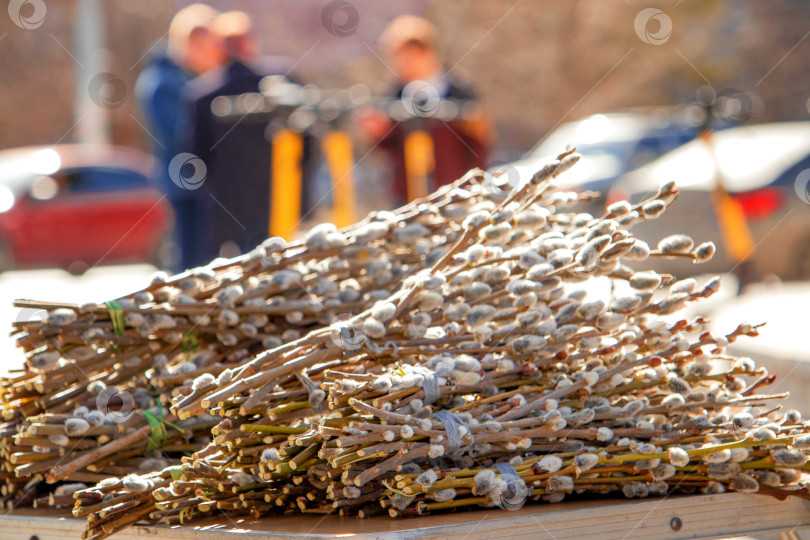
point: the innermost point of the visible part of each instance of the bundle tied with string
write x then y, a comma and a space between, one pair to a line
515, 492
456, 430
107, 364
490, 376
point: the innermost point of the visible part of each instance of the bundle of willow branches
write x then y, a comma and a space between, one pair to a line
491, 372
91, 399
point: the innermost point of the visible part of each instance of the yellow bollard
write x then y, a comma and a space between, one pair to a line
738, 241
419, 162
285, 192
337, 146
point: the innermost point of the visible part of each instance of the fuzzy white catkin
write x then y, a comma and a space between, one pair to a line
466, 362
604, 434
673, 401
374, 328
591, 310
135, 484
483, 482
802, 441
738, 455
676, 243
444, 367
69, 489
443, 495
76, 427
687, 286
96, 418
435, 451
745, 483
585, 462
241, 479
202, 381
609, 320
704, 252
663, 471
789, 476
645, 281
677, 456
383, 311
647, 448
788, 457
271, 455
59, 440
619, 208
62, 317
550, 463
427, 479
640, 251
415, 331
653, 209
560, 483
720, 456
528, 343
481, 314
429, 300
476, 290
742, 420
590, 378
224, 377
457, 311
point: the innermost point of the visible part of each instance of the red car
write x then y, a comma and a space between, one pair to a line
78, 206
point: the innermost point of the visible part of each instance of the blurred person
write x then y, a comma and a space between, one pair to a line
192, 49
409, 43
237, 150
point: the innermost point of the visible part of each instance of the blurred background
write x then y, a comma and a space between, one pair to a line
712, 94
535, 64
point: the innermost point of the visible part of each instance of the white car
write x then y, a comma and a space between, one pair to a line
765, 167
611, 145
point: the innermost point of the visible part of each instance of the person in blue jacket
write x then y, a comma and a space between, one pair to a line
192, 49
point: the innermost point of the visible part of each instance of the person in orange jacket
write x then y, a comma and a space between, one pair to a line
459, 144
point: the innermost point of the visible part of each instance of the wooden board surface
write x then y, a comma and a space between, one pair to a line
703, 516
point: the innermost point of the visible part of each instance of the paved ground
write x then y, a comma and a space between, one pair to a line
97, 285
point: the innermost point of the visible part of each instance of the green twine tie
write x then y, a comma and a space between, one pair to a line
158, 424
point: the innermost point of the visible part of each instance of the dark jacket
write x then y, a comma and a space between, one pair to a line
159, 91
237, 154
457, 148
